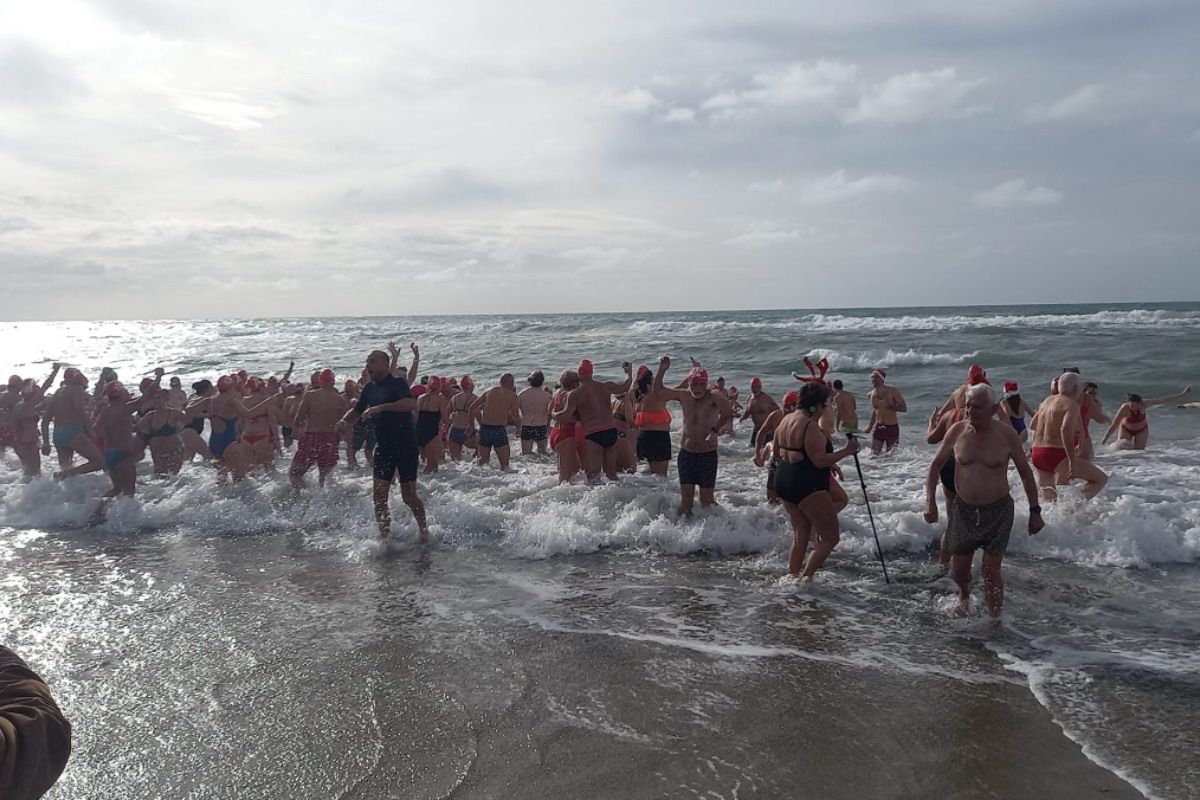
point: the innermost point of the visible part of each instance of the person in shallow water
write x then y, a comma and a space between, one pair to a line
591, 404
388, 402
1130, 419
803, 480
760, 406
705, 410
316, 421
981, 448
431, 412
763, 454
495, 410
534, 405
1057, 441
886, 405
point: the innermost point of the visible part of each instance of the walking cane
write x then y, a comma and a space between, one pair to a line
862, 481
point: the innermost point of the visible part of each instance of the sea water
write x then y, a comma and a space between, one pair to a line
189, 632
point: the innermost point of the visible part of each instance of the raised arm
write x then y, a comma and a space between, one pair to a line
46, 384
416, 362
661, 391
395, 351
1158, 401
287, 376
622, 387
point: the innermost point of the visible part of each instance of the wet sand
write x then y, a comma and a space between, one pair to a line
268, 667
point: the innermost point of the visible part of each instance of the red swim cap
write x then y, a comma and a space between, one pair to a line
1011, 386
698, 374
791, 400
879, 372
467, 384
755, 384
113, 390
224, 383
976, 375
585, 369
326, 377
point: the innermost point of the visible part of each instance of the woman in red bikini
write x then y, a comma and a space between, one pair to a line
261, 431
653, 423
1131, 420
566, 438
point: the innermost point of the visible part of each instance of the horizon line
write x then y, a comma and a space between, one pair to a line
809, 309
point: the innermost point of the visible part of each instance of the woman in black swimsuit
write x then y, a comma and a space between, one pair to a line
803, 480
431, 410
160, 431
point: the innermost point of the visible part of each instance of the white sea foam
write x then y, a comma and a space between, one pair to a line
1149, 513
834, 323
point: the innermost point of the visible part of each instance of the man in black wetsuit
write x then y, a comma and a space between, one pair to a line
387, 401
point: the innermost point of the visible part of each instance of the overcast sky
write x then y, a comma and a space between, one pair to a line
180, 158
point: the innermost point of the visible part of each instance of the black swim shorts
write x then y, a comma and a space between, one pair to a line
697, 469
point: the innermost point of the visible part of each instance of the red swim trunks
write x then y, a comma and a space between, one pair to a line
1047, 459
888, 434
316, 448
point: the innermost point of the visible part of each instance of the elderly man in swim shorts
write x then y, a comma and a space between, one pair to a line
981, 448
886, 405
705, 410
1057, 442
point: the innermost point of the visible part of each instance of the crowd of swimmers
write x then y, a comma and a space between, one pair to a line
595, 428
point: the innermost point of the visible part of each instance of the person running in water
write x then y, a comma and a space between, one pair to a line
1131, 420
981, 448
68, 409
316, 420
388, 401
591, 403
760, 406
495, 410
115, 425
886, 405
1056, 453
705, 410
160, 430
534, 405
803, 480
